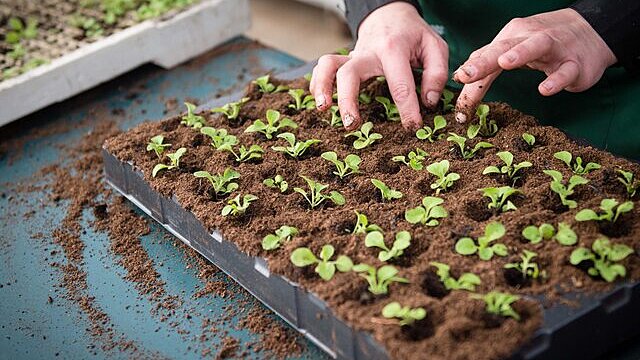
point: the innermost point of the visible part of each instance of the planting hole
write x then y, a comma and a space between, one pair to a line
387, 166
432, 285
478, 210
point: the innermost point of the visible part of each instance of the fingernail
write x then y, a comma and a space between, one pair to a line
461, 117
470, 70
432, 98
348, 119
548, 85
320, 100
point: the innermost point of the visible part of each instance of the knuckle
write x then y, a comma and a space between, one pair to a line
516, 22
400, 91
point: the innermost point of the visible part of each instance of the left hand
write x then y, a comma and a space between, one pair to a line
560, 43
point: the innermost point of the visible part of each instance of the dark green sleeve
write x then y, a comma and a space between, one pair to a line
358, 10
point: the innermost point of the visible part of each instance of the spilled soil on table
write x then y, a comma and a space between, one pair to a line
456, 325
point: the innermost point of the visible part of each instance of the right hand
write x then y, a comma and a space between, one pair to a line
391, 40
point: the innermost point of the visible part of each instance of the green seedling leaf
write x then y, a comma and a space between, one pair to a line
284, 234
500, 198
577, 166
325, 267
447, 98
604, 257
629, 181
466, 281
404, 314
413, 160
509, 168
192, 120
295, 148
350, 165
465, 151
243, 153
364, 137
277, 182
315, 196
274, 124
498, 303
565, 190
222, 183
174, 162
428, 213
483, 247
390, 109
238, 206
445, 179
484, 127
232, 109
529, 139
386, 192
362, 225
611, 208
379, 279
536, 234
376, 239
566, 236
527, 267
336, 119
156, 145
432, 134
301, 102
220, 138
266, 87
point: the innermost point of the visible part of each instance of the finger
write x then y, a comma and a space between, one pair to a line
348, 78
435, 74
397, 70
471, 96
527, 51
566, 75
485, 63
322, 78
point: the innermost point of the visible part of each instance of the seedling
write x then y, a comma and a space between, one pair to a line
244, 153
577, 166
404, 314
527, 267
428, 213
315, 197
174, 162
238, 206
445, 178
350, 165
336, 119
564, 191
529, 139
295, 148
307, 76
274, 124
386, 192
19, 31
376, 239
266, 87
283, 234
484, 127
362, 225
192, 120
220, 138
447, 97
223, 183
629, 181
364, 98
466, 281
465, 151
611, 208
390, 109
342, 51
156, 145
415, 159
604, 257
500, 197
301, 102
565, 235
493, 232
326, 268
498, 303
379, 279
278, 182
364, 137
232, 109
431, 134
508, 169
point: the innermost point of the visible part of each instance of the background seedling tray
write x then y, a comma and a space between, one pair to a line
163, 42
596, 325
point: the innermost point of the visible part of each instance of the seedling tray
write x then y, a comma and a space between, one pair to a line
592, 325
165, 43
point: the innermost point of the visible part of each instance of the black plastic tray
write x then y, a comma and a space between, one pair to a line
581, 332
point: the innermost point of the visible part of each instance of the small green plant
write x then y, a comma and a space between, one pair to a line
278, 182
222, 183
232, 109
266, 87
428, 213
404, 314
500, 197
326, 268
386, 192
565, 235
527, 267
376, 239
301, 102
484, 127
364, 137
295, 148
431, 134
350, 165
447, 97
529, 139
611, 208
629, 181
283, 234
498, 303
577, 166
174, 162
19, 31
362, 225
156, 145
484, 248
364, 98
445, 178
191, 119
390, 109
238, 205
415, 159
307, 76
564, 191
245, 154
465, 151
220, 138
315, 197
91, 27
273, 125
604, 257
466, 281
379, 279
509, 168
336, 119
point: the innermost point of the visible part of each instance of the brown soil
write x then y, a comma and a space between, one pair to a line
459, 327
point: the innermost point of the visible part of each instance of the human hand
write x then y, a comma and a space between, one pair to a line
391, 40
560, 43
